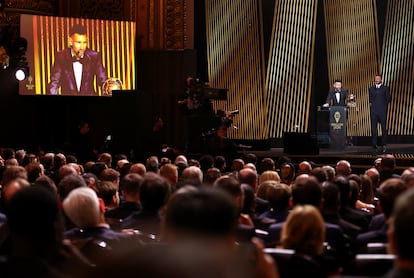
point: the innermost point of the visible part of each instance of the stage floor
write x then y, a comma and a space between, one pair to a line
360, 157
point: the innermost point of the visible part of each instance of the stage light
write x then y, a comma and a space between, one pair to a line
22, 73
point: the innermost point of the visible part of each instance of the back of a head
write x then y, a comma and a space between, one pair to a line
82, 207
307, 191
13, 172
237, 164
192, 175
154, 192
269, 175
206, 212
230, 185
402, 226
331, 195
138, 168
152, 164
267, 164
109, 174
206, 162
278, 196
131, 183
249, 176
343, 168
34, 170
388, 193
97, 168
170, 172
344, 189
250, 158
47, 183
304, 231
107, 191
220, 162
388, 162
68, 183
211, 176
33, 212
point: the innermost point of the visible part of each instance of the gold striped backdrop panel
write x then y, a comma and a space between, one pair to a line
115, 40
353, 54
290, 67
234, 49
398, 66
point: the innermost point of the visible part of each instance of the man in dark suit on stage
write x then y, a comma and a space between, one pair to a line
379, 97
337, 95
76, 67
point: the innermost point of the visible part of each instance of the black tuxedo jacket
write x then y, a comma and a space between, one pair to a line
331, 98
62, 74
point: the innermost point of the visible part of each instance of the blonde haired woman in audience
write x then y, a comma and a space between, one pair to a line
304, 232
269, 175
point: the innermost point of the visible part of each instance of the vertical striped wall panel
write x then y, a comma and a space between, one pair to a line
289, 73
235, 62
353, 54
398, 66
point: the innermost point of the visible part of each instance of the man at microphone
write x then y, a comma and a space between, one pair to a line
76, 67
337, 96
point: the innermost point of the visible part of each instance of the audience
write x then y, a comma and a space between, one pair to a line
326, 215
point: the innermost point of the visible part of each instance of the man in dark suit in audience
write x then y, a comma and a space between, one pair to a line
388, 193
308, 191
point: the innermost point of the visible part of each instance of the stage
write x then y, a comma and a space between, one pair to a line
360, 157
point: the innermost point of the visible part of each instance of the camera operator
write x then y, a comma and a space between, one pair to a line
199, 111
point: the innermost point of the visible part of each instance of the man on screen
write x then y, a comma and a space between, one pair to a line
76, 67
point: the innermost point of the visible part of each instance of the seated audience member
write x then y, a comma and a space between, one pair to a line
91, 180
211, 176
198, 242
330, 172
236, 165
320, 174
206, 162
129, 186
191, 175
97, 168
108, 192
330, 211
305, 167
13, 172
267, 164
343, 168
287, 173
138, 168
388, 193
153, 193
387, 170
232, 186
269, 175
34, 170
400, 234
106, 158
84, 209
111, 175
152, 164
347, 205
68, 183
278, 196
249, 208
9, 189
220, 163
37, 246
170, 173
308, 191
304, 232
47, 183
408, 176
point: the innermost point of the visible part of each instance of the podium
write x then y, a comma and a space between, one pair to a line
337, 127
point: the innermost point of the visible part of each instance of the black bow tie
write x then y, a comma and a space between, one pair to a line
77, 59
